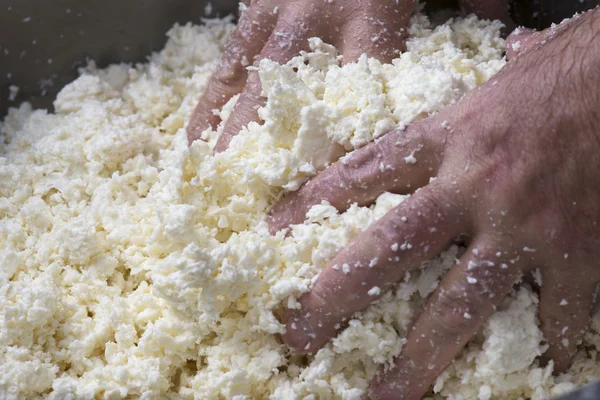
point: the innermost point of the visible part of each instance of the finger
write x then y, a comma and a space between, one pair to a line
247, 40
490, 9
409, 234
285, 42
565, 307
399, 162
378, 29
466, 297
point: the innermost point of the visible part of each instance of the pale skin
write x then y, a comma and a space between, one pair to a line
516, 166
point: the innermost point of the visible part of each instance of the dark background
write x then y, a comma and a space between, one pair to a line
43, 42
67, 32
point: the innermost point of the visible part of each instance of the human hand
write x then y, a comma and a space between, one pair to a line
517, 171
279, 30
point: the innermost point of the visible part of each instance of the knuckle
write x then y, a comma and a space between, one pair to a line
224, 84
340, 177
230, 72
363, 156
217, 95
432, 206
454, 312
425, 134
366, 163
289, 36
253, 88
429, 203
244, 114
331, 185
386, 231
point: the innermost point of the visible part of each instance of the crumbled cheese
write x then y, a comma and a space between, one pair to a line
208, 9
134, 266
410, 159
13, 92
537, 276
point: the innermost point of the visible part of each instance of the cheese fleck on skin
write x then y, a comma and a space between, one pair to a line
410, 159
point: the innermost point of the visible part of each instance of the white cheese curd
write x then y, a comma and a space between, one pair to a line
136, 266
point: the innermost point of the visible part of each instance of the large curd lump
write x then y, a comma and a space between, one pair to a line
135, 266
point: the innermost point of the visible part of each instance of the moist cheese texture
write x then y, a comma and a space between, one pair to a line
135, 266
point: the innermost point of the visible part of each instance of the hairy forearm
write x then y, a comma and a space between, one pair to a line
594, 27
585, 49
574, 65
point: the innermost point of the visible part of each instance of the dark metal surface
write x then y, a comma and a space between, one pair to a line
589, 392
43, 42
